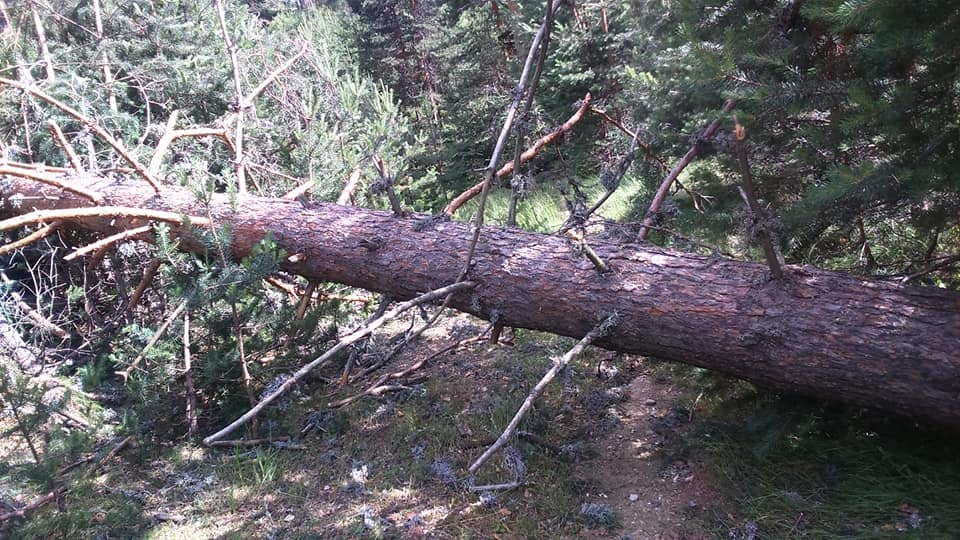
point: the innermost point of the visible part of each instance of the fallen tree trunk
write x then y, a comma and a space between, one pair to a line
815, 332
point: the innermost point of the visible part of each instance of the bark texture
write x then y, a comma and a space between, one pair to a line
814, 332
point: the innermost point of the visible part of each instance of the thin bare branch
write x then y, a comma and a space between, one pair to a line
125, 374
164, 142
274, 74
620, 171
170, 134
42, 41
112, 239
43, 167
67, 147
50, 179
304, 302
238, 443
188, 388
34, 315
39, 234
558, 364
373, 388
526, 156
104, 61
102, 133
661, 194
940, 265
646, 147
344, 342
145, 282
552, 6
21, 512
67, 214
588, 252
766, 241
298, 191
241, 104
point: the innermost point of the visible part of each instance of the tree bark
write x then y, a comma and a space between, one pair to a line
814, 332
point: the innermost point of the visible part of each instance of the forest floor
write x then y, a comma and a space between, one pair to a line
618, 447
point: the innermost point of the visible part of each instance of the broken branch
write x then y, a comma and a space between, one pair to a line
599, 331
526, 156
170, 134
112, 239
343, 343
66, 214
65, 144
92, 124
50, 179
39, 234
661, 194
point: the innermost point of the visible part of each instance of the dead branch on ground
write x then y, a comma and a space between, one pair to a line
378, 388
599, 331
357, 335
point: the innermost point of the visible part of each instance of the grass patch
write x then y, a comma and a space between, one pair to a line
802, 468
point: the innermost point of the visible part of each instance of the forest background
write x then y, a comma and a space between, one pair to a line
850, 110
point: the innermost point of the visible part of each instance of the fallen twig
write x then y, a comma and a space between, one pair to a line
22, 512
304, 301
239, 443
599, 331
357, 335
611, 185
496, 487
373, 389
116, 448
385, 302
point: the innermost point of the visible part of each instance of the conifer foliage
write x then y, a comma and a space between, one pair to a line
846, 113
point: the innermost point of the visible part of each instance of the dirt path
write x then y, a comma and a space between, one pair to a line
654, 488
